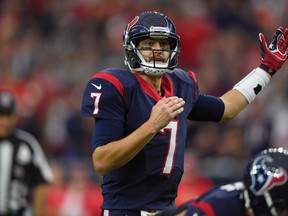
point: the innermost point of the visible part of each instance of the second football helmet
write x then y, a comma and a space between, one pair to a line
150, 24
266, 182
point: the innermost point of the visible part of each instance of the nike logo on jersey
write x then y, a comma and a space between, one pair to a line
97, 86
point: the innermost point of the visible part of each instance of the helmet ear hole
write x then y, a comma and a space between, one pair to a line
173, 43
131, 59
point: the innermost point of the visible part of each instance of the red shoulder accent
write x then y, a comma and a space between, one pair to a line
193, 75
205, 207
112, 79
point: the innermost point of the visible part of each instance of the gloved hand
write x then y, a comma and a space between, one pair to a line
275, 55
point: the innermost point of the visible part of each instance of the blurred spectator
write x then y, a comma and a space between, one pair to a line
73, 194
257, 128
205, 139
193, 182
231, 141
56, 190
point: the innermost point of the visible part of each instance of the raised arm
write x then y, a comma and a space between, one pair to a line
245, 91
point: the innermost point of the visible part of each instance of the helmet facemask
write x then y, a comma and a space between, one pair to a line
260, 205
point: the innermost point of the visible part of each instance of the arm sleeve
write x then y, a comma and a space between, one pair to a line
104, 100
105, 131
207, 108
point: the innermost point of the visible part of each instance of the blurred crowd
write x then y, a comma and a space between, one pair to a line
49, 49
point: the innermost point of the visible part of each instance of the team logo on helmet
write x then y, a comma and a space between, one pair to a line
132, 23
264, 178
129, 26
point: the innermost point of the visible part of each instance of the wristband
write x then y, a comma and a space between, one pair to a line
252, 84
267, 69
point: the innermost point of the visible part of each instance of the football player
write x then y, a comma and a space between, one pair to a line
140, 114
263, 191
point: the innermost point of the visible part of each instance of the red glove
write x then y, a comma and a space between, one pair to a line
275, 55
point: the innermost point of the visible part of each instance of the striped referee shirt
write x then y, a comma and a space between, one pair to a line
23, 165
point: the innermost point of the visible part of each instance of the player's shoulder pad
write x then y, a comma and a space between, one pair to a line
238, 186
120, 78
186, 76
228, 190
118, 73
113, 86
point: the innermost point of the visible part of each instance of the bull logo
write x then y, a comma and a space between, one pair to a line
132, 23
129, 26
264, 178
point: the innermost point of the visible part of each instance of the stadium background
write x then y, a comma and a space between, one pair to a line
50, 48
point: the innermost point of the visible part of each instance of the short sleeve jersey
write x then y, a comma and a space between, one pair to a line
150, 179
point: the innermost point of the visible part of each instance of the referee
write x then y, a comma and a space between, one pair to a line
24, 169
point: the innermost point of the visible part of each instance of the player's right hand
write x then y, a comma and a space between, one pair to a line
276, 54
165, 110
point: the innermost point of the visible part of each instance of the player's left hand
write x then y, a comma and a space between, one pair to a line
165, 110
274, 56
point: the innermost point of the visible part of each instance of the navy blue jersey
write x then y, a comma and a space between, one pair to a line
123, 100
225, 200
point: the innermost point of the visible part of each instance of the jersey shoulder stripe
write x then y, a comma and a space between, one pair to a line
39, 159
119, 78
111, 78
193, 75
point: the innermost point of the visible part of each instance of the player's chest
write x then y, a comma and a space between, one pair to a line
140, 107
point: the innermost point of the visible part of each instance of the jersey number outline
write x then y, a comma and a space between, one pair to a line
169, 160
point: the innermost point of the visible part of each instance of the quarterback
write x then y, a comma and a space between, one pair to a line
140, 113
